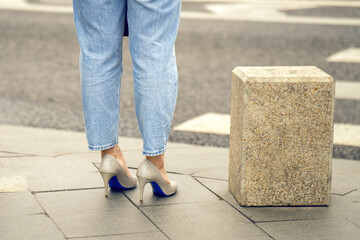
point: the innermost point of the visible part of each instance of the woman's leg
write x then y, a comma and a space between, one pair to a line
100, 28
153, 27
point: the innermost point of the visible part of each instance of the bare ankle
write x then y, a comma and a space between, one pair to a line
158, 160
114, 151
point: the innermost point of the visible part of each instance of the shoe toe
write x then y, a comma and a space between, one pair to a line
174, 185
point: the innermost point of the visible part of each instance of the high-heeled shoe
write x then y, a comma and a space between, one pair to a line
147, 172
114, 175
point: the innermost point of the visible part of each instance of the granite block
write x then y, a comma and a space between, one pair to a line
281, 134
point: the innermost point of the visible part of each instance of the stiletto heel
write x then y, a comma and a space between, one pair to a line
148, 172
114, 175
142, 182
106, 177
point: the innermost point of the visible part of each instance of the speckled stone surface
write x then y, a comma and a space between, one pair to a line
281, 134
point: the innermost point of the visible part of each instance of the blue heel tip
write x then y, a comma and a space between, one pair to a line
157, 190
115, 185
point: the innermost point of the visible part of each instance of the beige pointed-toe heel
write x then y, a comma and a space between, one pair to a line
147, 172
114, 175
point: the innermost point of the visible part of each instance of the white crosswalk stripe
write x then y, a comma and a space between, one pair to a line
347, 134
303, 3
217, 123
22, 5
246, 10
350, 55
347, 90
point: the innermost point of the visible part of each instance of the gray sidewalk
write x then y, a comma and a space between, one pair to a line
50, 189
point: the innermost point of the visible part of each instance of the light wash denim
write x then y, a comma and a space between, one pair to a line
153, 27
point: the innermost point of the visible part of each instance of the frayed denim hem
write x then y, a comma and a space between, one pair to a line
93, 148
145, 153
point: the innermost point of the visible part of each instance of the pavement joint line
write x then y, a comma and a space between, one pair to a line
254, 222
25, 154
217, 195
110, 235
290, 220
65, 190
15, 156
177, 173
224, 180
147, 217
47, 215
349, 220
176, 203
62, 154
95, 165
222, 199
338, 194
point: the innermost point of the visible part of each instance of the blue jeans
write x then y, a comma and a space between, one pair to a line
153, 27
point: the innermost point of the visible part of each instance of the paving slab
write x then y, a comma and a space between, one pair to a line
40, 141
12, 184
199, 161
29, 227
194, 212
87, 213
203, 220
220, 173
348, 206
336, 227
189, 190
20, 203
132, 236
49, 174
52, 142
257, 214
20, 212
346, 176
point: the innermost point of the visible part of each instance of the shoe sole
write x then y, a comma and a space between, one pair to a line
115, 185
158, 191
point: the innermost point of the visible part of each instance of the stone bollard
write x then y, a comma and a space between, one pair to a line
281, 134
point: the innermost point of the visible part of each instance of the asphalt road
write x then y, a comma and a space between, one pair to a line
40, 83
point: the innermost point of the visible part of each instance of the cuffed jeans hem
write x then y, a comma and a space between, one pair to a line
153, 153
95, 148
